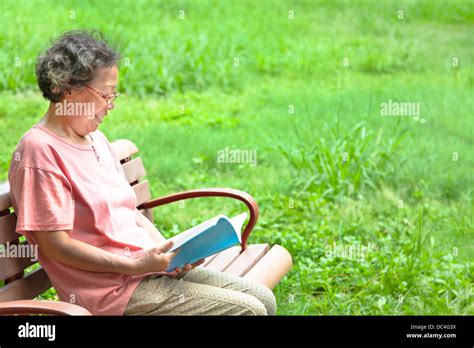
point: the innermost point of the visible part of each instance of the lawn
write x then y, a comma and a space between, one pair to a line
376, 209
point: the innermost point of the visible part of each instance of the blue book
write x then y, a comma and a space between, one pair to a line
206, 239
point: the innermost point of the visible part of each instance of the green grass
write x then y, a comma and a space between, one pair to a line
333, 171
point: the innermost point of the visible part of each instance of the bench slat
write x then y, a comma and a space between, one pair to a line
224, 259
246, 260
5, 202
134, 169
10, 266
142, 191
208, 260
124, 148
271, 268
26, 288
7, 228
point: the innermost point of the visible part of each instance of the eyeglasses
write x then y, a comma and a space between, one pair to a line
108, 98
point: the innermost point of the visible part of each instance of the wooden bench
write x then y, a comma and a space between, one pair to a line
258, 262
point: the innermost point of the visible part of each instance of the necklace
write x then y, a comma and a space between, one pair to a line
93, 148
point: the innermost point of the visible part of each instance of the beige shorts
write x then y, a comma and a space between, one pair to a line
201, 292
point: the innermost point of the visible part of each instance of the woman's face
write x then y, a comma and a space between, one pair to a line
84, 109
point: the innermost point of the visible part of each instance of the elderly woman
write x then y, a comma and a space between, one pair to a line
72, 200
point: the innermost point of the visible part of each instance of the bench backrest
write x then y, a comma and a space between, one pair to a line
21, 285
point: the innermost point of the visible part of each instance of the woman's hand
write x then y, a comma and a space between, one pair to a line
156, 259
187, 267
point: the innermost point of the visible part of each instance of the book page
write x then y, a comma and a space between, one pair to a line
237, 222
183, 237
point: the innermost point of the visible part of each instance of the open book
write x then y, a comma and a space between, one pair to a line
206, 239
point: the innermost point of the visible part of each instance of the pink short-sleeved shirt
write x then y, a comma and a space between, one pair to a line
57, 185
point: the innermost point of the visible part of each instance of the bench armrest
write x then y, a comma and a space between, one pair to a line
213, 192
25, 307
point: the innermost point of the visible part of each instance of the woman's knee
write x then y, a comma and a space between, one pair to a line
254, 306
266, 296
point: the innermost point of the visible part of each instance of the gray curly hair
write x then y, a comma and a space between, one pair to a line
71, 62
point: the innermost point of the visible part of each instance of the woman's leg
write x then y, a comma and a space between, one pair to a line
227, 281
169, 296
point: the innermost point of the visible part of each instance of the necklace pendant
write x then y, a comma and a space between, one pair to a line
93, 148
95, 152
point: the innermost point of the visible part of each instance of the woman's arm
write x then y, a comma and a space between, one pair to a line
59, 246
